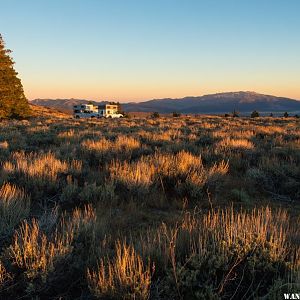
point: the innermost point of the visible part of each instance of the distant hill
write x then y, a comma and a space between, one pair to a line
64, 105
243, 102
40, 111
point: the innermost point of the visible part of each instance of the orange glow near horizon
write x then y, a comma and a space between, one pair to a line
143, 93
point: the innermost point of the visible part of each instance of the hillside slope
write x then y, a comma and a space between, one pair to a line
40, 111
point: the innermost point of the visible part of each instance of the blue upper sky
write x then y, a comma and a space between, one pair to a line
141, 49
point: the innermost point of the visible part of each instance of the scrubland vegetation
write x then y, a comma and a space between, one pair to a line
156, 208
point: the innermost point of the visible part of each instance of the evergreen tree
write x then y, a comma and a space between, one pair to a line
155, 115
13, 103
235, 114
176, 114
255, 114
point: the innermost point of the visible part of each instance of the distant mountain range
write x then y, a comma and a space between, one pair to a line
244, 102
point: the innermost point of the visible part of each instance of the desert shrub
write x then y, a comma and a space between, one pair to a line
73, 195
69, 195
260, 179
4, 145
205, 140
240, 195
102, 194
136, 176
239, 144
182, 172
14, 207
41, 174
42, 139
104, 149
125, 143
255, 114
66, 135
155, 115
44, 167
126, 276
199, 257
5, 276
176, 114
283, 176
160, 138
32, 251
49, 219
101, 145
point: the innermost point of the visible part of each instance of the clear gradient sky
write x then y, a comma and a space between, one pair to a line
143, 49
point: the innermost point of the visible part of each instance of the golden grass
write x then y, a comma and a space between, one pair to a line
14, 206
4, 145
230, 143
33, 251
4, 275
41, 166
261, 238
77, 193
161, 136
122, 143
150, 169
124, 277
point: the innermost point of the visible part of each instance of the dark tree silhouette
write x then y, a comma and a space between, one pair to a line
176, 114
155, 115
255, 114
13, 103
235, 113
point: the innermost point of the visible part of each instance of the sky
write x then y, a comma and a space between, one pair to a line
133, 50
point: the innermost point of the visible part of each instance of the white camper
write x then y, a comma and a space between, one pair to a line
84, 111
110, 110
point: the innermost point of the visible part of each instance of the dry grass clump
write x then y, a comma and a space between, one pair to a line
4, 276
133, 174
35, 253
262, 226
203, 254
182, 168
229, 143
4, 145
99, 145
243, 134
67, 134
32, 251
126, 143
124, 277
122, 144
161, 136
39, 169
41, 128
14, 206
270, 129
80, 220
43, 166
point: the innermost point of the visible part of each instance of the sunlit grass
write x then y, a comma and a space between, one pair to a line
170, 208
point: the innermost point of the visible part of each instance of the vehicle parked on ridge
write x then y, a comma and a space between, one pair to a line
84, 111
